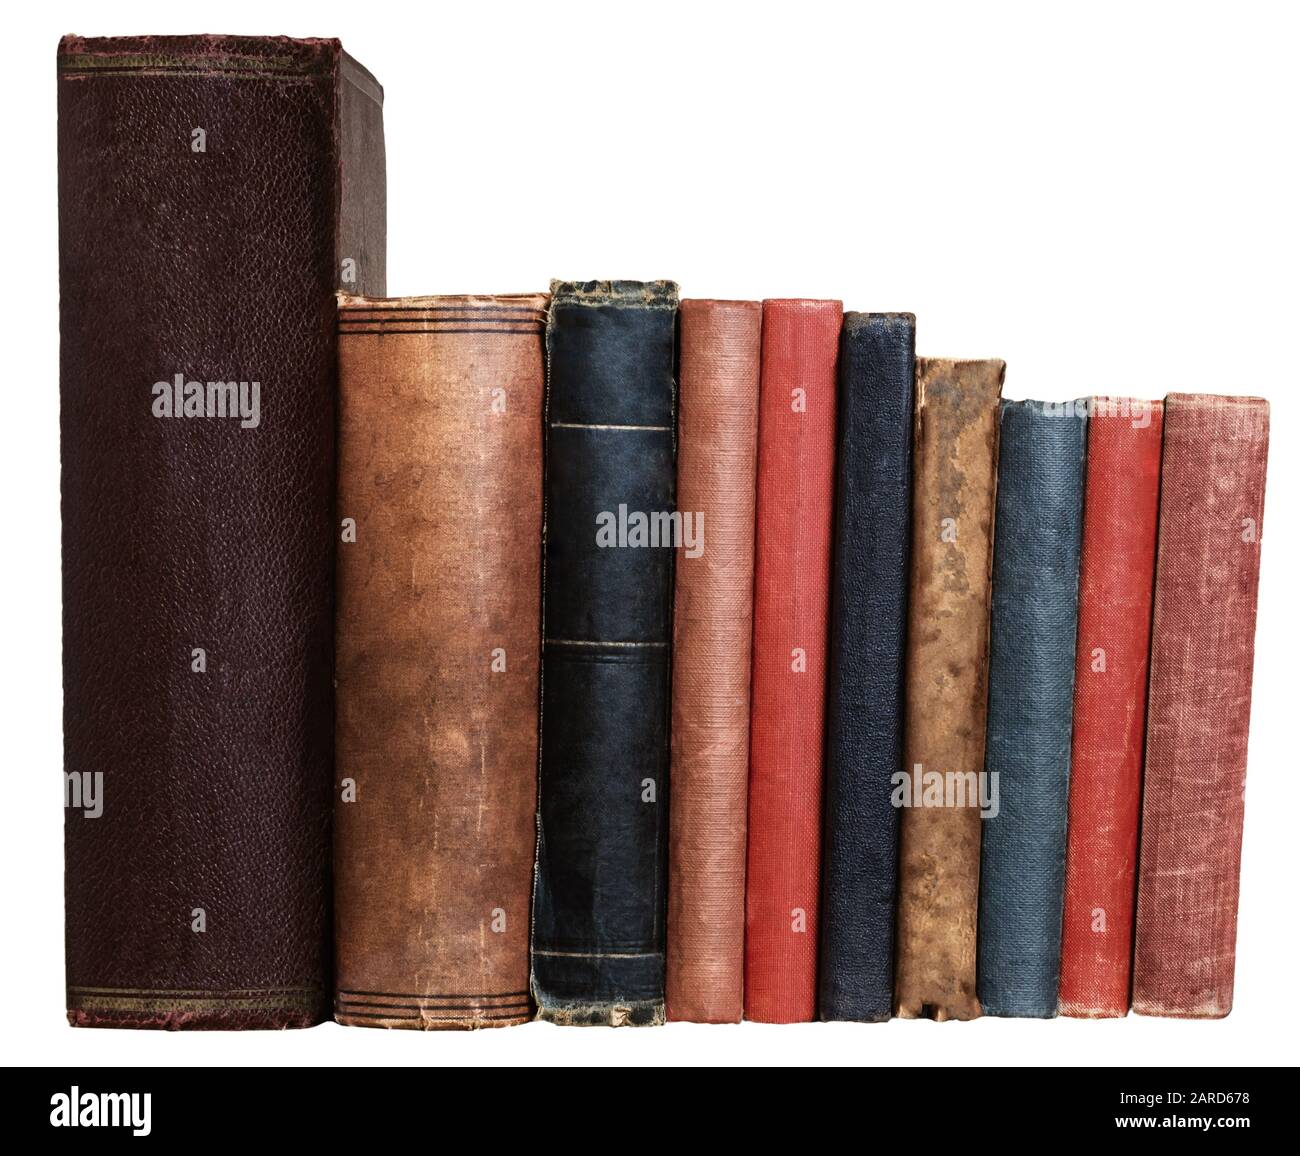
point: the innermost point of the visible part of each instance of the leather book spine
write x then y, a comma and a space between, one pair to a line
864, 695
1034, 621
954, 476
438, 658
795, 492
602, 856
712, 636
1198, 708
1116, 579
213, 193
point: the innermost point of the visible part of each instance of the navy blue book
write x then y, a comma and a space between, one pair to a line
1031, 695
600, 896
864, 697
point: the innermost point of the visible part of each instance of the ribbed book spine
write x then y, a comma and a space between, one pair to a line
864, 696
954, 453
712, 632
438, 658
213, 191
796, 482
1034, 621
1116, 579
601, 879
1198, 711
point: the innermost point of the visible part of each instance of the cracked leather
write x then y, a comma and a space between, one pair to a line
438, 658
600, 898
954, 451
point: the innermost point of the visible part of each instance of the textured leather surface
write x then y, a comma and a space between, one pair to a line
1116, 577
1198, 710
954, 451
864, 694
795, 492
196, 532
438, 658
598, 935
1031, 697
712, 637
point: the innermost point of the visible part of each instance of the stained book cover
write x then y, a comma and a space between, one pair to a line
796, 485
1116, 580
954, 476
1034, 621
712, 636
864, 725
438, 658
197, 387
602, 854
1198, 709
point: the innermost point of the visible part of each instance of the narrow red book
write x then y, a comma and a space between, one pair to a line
794, 501
1198, 707
1116, 579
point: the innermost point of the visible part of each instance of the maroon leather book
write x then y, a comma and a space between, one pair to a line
213, 193
1198, 709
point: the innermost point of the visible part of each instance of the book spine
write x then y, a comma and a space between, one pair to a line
795, 490
954, 453
864, 725
438, 658
1116, 579
1035, 617
712, 637
1198, 709
197, 383
599, 897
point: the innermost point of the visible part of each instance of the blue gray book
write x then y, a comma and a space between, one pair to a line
1031, 697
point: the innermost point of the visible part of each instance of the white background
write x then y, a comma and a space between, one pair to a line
1105, 197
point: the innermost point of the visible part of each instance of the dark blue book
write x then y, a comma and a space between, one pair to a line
1031, 695
600, 898
864, 699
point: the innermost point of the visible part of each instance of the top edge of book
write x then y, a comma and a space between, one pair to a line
644, 294
210, 53
459, 301
855, 319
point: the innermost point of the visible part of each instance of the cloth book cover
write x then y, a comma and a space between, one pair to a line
1198, 708
1116, 578
796, 485
864, 694
1031, 697
712, 637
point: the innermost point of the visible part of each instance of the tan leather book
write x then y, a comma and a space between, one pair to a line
712, 635
954, 479
437, 658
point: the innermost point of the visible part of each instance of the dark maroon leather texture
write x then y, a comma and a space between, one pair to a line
198, 550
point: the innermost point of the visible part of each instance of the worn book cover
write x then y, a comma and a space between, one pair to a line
796, 487
1198, 709
213, 193
1034, 620
864, 695
610, 534
438, 658
712, 636
1116, 579
954, 475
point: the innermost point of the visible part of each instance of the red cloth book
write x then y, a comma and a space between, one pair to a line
1116, 578
1198, 709
795, 496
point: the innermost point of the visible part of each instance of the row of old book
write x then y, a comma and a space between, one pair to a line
450, 661
821, 766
